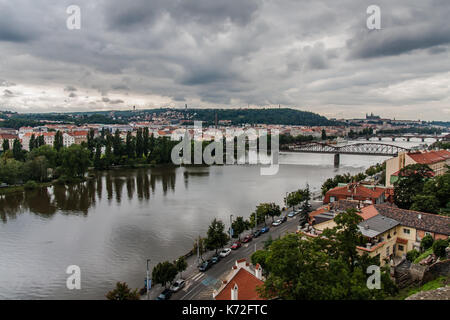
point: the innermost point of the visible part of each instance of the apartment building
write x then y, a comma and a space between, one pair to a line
436, 160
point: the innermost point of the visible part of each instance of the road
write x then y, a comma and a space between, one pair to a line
200, 285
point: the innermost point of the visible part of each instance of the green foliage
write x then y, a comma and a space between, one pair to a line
239, 225
297, 197
431, 285
412, 255
216, 236
426, 243
410, 184
322, 268
267, 210
30, 185
181, 264
260, 257
75, 161
439, 247
5, 145
122, 292
423, 255
59, 142
164, 273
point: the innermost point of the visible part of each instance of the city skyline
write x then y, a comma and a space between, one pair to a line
318, 57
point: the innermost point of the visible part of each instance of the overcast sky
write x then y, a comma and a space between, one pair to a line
311, 55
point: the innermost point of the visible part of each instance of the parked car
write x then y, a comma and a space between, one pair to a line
225, 252
215, 259
205, 266
247, 239
277, 222
236, 245
165, 295
177, 285
265, 229
292, 214
257, 233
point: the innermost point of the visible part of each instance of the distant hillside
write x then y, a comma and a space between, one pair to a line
263, 116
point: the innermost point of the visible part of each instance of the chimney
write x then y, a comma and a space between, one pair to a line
258, 272
234, 292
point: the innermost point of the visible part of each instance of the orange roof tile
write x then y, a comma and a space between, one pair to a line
247, 284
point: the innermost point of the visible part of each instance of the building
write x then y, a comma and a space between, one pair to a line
436, 160
79, 136
241, 283
49, 139
389, 231
9, 137
356, 191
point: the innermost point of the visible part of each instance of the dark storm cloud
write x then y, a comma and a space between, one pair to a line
227, 53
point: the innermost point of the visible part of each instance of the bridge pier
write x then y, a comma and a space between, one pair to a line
407, 139
379, 138
393, 138
337, 158
423, 139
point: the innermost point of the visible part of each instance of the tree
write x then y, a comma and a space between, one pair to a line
41, 141
294, 198
117, 143
216, 237
122, 292
239, 225
97, 158
181, 265
146, 142
439, 247
130, 145
410, 183
32, 143
412, 255
268, 210
139, 143
324, 134
164, 273
59, 142
5, 145
91, 142
109, 159
75, 161
425, 203
17, 150
321, 268
426, 243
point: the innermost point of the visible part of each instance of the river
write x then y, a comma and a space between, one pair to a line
110, 225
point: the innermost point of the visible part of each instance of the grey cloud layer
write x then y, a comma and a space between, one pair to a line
318, 56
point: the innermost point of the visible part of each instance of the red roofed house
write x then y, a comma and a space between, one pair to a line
356, 191
436, 160
241, 283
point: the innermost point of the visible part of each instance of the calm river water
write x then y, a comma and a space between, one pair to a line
110, 225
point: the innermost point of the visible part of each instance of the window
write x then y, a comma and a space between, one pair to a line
400, 247
406, 231
387, 250
332, 199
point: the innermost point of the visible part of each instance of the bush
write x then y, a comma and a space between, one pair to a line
30, 185
412, 255
426, 243
439, 247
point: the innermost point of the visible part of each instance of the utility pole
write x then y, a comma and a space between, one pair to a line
231, 228
148, 281
198, 250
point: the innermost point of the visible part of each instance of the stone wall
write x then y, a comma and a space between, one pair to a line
440, 268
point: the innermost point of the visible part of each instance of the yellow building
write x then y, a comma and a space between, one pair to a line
436, 160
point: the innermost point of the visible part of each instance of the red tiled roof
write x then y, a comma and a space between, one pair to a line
357, 190
8, 136
247, 284
430, 156
368, 212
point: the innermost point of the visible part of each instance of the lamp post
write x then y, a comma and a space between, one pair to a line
231, 228
148, 281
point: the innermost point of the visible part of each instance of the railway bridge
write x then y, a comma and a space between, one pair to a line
369, 148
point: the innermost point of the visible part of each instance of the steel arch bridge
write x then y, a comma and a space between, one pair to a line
374, 149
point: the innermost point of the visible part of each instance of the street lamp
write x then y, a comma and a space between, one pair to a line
231, 227
148, 280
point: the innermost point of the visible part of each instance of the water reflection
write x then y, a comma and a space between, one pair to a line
77, 199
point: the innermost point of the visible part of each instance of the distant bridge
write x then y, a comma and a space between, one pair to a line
371, 149
407, 137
